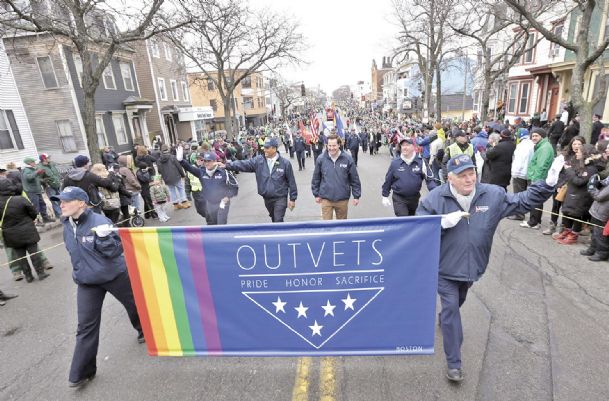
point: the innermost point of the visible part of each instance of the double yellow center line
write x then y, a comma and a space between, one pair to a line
327, 379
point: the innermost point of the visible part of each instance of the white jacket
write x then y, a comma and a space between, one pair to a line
522, 157
436, 145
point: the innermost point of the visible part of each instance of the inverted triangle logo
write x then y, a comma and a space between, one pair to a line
316, 315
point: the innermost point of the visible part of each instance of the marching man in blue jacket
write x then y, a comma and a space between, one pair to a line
471, 212
405, 177
98, 266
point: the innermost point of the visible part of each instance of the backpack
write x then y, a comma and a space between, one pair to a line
143, 175
110, 200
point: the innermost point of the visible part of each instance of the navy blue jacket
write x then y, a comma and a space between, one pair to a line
215, 188
424, 142
299, 144
276, 185
353, 142
465, 248
95, 260
335, 181
407, 180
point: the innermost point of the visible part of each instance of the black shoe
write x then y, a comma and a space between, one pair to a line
586, 252
454, 375
597, 258
81, 382
140, 337
29, 278
5, 296
519, 218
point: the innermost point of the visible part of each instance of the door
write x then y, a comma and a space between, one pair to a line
171, 129
553, 110
137, 130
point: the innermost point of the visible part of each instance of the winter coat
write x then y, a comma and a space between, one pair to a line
159, 193
170, 169
18, 229
149, 160
543, 156
51, 176
556, 131
95, 260
499, 160
466, 247
89, 182
31, 180
299, 144
335, 181
600, 207
130, 180
522, 157
216, 186
480, 140
577, 199
279, 183
569, 133
406, 180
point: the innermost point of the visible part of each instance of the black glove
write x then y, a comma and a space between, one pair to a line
593, 182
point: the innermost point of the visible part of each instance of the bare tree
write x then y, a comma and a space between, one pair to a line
92, 27
286, 93
584, 43
228, 41
423, 33
485, 23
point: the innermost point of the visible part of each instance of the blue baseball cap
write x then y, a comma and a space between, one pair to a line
208, 156
459, 163
271, 142
70, 194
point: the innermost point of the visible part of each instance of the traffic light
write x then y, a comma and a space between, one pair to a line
302, 90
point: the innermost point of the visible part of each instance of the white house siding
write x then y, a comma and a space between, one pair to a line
10, 100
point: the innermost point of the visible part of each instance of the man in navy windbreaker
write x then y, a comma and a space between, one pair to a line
471, 213
404, 178
98, 267
274, 178
334, 180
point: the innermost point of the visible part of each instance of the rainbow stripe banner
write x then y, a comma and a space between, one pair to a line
314, 288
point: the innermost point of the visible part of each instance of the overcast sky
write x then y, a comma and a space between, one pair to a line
344, 37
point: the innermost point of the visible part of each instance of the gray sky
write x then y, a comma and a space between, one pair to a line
344, 36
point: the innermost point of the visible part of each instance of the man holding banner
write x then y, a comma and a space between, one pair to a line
274, 178
466, 245
98, 267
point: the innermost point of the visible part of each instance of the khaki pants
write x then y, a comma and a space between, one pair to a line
328, 208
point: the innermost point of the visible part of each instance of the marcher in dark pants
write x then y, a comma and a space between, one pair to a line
276, 208
300, 147
353, 143
98, 266
404, 178
452, 296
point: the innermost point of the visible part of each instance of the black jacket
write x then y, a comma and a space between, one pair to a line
89, 182
18, 227
577, 200
556, 130
499, 160
170, 169
597, 126
570, 132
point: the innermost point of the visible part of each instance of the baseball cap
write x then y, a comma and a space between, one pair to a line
208, 156
271, 142
29, 160
43, 157
406, 139
522, 132
80, 161
459, 163
70, 194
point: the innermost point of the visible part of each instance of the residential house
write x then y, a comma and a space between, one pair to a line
377, 75
16, 141
163, 81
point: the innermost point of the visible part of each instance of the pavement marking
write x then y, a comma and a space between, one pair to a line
327, 379
301, 384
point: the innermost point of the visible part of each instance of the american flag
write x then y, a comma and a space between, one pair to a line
314, 122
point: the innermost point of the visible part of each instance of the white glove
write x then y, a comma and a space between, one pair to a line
222, 204
179, 153
104, 230
452, 219
557, 165
386, 201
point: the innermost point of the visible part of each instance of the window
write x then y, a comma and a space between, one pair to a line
555, 48
6, 139
174, 89
213, 103
109, 82
78, 67
127, 77
476, 97
101, 132
200, 129
66, 136
167, 51
47, 72
154, 48
246, 82
210, 85
119, 128
513, 93
530, 46
162, 89
524, 97
185, 94
248, 103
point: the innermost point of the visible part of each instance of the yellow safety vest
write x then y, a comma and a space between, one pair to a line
195, 183
455, 150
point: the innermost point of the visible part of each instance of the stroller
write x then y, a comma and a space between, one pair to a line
135, 219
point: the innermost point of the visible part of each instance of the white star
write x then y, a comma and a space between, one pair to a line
349, 302
316, 329
328, 309
279, 305
302, 310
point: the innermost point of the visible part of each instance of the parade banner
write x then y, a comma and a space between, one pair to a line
349, 287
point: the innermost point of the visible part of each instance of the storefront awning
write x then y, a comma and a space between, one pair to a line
195, 113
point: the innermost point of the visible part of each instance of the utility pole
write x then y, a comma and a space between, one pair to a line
464, 86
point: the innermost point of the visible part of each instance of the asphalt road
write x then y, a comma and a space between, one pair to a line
536, 328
